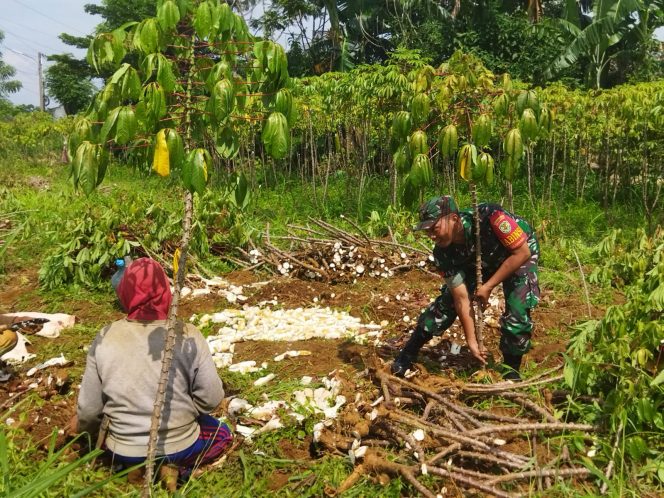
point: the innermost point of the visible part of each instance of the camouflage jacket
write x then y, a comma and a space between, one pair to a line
501, 232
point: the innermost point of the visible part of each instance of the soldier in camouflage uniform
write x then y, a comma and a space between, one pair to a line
509, 256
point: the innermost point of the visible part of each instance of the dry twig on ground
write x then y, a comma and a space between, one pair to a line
439, 433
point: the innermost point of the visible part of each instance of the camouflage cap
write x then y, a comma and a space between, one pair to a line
434, 209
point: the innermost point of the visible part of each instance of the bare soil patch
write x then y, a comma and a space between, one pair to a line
325, 357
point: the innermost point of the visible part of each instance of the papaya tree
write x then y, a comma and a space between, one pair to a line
183, 83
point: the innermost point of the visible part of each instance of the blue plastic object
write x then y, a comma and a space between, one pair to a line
117, 276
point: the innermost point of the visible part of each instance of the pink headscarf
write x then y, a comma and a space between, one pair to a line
144, 291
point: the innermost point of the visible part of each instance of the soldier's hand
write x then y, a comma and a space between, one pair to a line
482, 295
479, 354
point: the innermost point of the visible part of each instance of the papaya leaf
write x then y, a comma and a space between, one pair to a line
120, 73
276, 136
165, 75
175, 148
109, 124
146, 37
221, 103
227, 143
242, 194
102, 164
126, 125
131, 85
226, 18
168, 15
203, 20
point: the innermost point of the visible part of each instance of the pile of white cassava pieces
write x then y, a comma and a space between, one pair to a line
264, 323
325, 252
321, 399
430, 426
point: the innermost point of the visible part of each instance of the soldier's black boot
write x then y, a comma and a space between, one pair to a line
511, 367
408, 354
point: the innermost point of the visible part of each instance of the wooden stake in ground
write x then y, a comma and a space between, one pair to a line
170, 344
479, 312
178, 284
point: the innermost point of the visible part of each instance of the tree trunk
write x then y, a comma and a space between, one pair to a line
394, 185
553, 169
330, 156
585, 173
578, 168
617, 176
562, 183
607, 171
314, 162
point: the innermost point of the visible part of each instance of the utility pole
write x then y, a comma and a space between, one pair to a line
41, 82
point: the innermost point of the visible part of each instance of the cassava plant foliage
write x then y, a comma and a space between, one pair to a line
619, 359
460, 101
182, 82
461, 115
198, 75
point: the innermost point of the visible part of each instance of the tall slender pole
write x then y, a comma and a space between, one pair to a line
178, 281
479, 313
41, 82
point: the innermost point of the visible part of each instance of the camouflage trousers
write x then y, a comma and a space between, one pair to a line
522, 294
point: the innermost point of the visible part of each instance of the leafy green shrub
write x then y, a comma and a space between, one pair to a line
620, 358
92, 243
137, 224
33, 135
623, 265
392, 219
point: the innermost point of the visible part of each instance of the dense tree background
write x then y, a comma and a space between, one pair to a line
586, 43
535, 41
68, 80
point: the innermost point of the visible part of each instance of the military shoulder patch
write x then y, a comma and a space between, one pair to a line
507, 230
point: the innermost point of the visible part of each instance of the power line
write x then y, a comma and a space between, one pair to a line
29, 41
21, 53
48, 17
23, 26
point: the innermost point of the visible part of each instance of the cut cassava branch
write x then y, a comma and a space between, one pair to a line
173, 311
540, 473
470, 482
169, 345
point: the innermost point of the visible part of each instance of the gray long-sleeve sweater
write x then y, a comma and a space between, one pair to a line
121, 378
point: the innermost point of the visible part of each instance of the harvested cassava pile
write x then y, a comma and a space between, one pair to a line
261, 323
430, 424
328, 253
